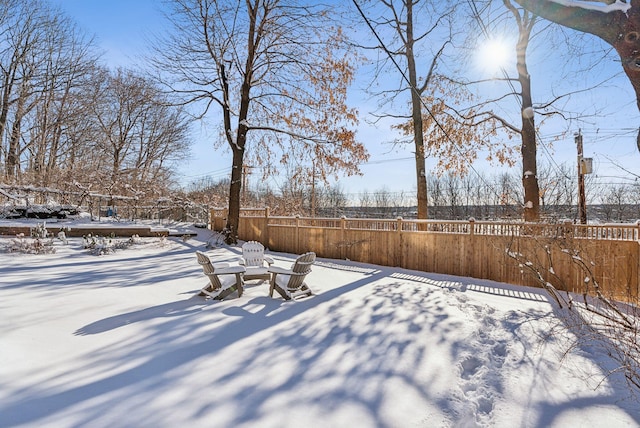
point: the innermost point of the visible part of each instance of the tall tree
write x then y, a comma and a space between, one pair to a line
526, 21
68, 59
413, 36
524, 126
275, 72
139, 133
401, 55
19, 55
617, 22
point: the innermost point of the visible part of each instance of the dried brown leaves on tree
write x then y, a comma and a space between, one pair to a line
456, 139
274, 74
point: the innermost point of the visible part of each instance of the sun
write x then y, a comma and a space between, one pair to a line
494, 55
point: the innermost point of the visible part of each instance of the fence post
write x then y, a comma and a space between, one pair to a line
297, 234
265, 231
637, 289
470, 266
400, 252
343, 227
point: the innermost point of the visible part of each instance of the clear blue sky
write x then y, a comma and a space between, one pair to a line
121, 28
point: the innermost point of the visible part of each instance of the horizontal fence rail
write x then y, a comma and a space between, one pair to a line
499, 251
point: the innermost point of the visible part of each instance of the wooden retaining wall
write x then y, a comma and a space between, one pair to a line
565, 255
79, 231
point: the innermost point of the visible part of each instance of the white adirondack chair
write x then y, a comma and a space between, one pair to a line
255, 261
221, 282
289, 283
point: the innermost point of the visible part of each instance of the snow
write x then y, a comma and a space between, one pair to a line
528, 113
622, 6
123, 339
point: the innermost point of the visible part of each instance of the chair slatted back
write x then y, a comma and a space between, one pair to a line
304, 262
253, 254
208, 269
302, 267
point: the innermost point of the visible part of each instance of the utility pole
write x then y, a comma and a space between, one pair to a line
582, 199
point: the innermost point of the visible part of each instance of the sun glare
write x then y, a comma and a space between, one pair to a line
494, 55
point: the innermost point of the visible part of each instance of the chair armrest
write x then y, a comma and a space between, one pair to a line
220, 265
268, 259
230, 270
280, 270
283, 271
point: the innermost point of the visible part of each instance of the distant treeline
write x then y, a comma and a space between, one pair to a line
625, 213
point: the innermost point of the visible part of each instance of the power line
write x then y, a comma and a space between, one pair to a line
513, 90
213, 173
414, 89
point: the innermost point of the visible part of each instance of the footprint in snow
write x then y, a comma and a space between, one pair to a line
470, 366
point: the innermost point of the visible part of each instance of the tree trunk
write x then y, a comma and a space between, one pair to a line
416, 115
4, 107
238, 146
12, 161
529, 162
12, 164
235, 188
528, 130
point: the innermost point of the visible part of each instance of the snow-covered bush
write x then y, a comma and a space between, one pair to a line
216, 240
100, 245
605, 319
63, 237
40, 231
36, 243
97, 245
31, 245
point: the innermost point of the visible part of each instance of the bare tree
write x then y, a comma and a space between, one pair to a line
527, 28
526, 21
382, 199
331, 200
436, 190
275, 71
140, 134
69, 59
615, 200
526, 129
408, 31
43, 60
22, 33
365, 201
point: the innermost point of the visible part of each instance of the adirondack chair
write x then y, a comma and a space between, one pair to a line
254, 259
221, 283
289, 283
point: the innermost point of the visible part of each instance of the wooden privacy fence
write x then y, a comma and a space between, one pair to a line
566, 255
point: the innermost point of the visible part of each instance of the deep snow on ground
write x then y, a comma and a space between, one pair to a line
123, 340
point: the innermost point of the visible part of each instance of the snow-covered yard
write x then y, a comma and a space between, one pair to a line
122, 340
